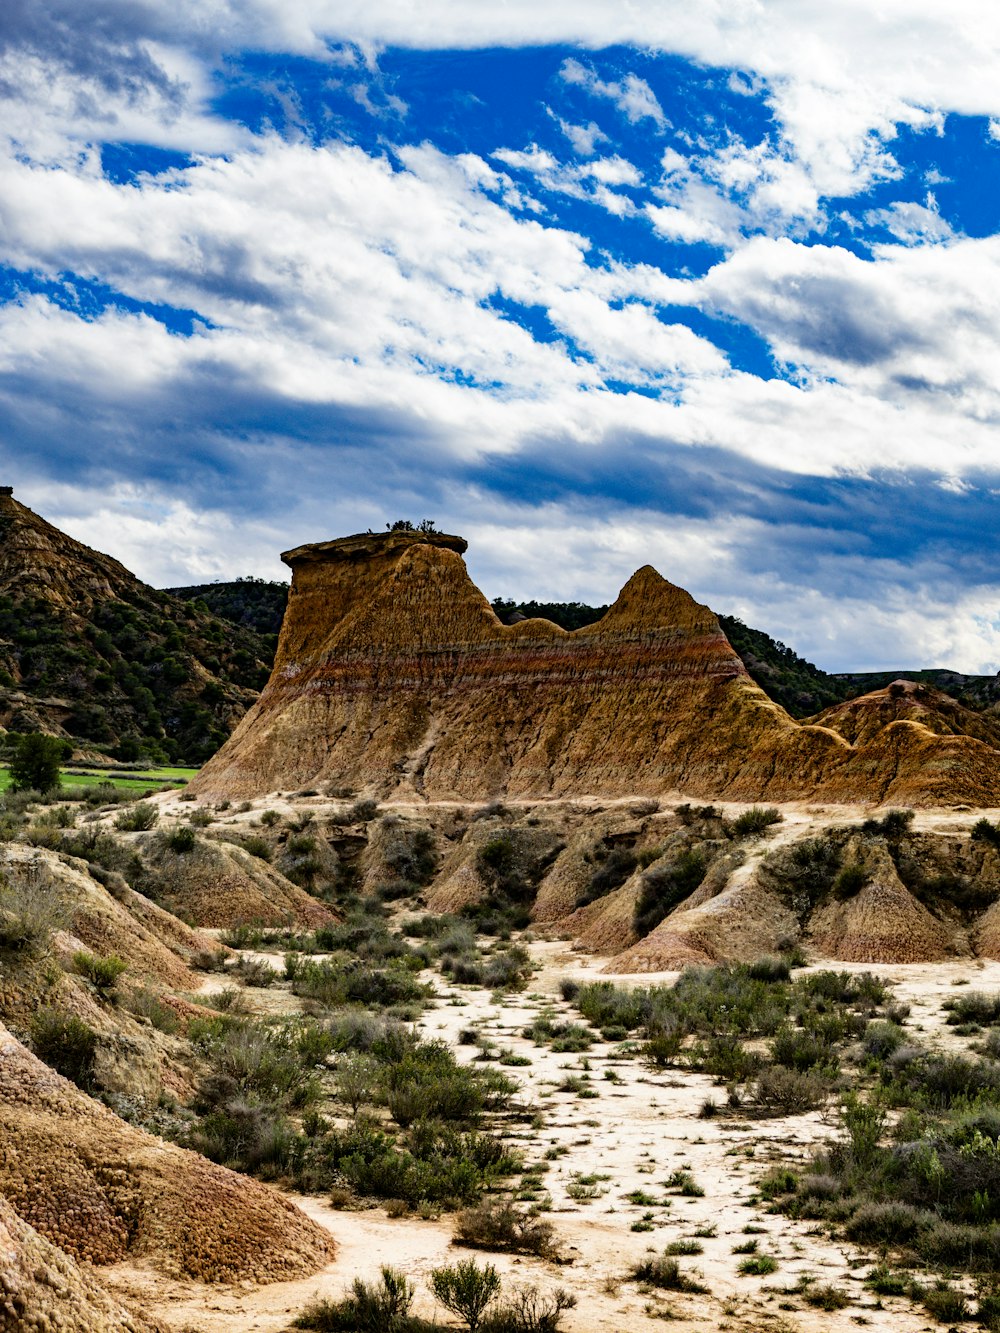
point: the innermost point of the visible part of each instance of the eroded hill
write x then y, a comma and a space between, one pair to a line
394, 675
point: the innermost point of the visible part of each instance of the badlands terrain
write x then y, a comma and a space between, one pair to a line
565, 967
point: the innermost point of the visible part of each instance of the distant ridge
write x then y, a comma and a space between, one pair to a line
90, 652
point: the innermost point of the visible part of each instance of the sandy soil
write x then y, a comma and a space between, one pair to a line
632, 1135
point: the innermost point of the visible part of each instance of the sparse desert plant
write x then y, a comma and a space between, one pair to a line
502, 1225
371, 1307
102, 973
357, 1080
755, 820
66, 1043
181, 840
138, 818
467, 1290
946, 1303
664, 1272
144, 1003
825, 1296
201, 818
30, 910
270, 818
851, 880
758, 1265
528, 1311
788, 1092
256, 972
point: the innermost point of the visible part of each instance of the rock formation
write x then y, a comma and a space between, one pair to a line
102, 1190
394, 676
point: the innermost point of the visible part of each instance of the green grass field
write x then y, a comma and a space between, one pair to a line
138, 780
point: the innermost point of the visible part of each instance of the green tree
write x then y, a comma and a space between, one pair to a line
34, 764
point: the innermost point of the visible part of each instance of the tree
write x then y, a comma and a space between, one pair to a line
34, 764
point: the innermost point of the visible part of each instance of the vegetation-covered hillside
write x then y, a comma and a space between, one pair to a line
90, 652
256, 604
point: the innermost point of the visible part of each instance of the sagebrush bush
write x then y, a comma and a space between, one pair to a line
30, 911
502, 1225
102, 973
664, 1272
782, 1091
137, 819
66, 1043
756, 820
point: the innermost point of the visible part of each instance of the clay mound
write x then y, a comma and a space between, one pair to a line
605, 926
101, 923
219, 884
742, 921
398, 850
394, 676
102, 1190
575, 866
860, 720
43, 1291
985, 935
883, 923
469, 875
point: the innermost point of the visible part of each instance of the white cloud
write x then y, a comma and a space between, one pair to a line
632, 96
584, 139
913, 224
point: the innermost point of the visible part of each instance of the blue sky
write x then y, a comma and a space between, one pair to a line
713, 287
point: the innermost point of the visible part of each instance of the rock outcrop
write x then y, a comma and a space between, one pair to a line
393, 675
102, 1190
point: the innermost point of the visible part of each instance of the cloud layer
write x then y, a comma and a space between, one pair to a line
706, 294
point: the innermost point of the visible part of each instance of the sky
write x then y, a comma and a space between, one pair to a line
713, 286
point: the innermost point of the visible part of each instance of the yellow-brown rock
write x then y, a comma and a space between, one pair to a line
393, 675
43, 1291
102, 1190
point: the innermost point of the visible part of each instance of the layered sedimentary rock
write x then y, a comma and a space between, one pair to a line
393, 675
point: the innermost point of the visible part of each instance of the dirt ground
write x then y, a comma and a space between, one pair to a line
630, 1134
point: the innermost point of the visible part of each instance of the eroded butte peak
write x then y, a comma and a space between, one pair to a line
394, 676
363, 546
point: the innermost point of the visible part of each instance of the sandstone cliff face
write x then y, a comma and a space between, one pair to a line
393, 675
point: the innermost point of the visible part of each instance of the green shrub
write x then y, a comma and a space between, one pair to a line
664, 1272
756, 820
144, 1003
770, 968
947, 1304
851, 880
381, 1307
613, 869
664, 886
102, 973
270, 818
825, 1296
181, 840
973, 1007
758, 1265
66, 1043
501, 1225
984, 831
137, 819
466, 1290
256, 846
892, 826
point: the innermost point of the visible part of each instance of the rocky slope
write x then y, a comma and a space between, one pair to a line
393, 675
89, 651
